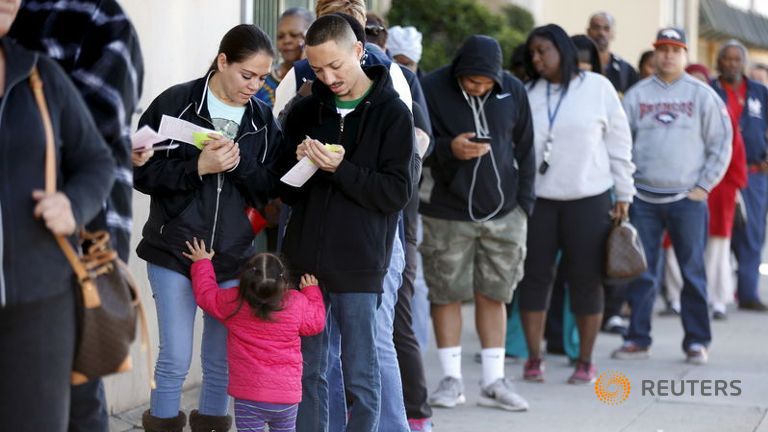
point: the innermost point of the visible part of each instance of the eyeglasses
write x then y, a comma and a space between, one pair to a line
374, 30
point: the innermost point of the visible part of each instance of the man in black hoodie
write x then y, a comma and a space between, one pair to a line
344, 219
476, 196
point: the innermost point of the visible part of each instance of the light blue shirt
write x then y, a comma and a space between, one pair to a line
226, 119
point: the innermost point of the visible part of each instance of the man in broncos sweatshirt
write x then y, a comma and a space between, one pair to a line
682, 148
476, 196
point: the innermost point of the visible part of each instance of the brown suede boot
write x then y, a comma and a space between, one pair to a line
206, 423
151, 423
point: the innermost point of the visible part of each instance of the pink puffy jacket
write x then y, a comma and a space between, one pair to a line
264, 356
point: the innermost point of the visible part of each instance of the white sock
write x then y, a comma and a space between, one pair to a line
450, 359
493, 365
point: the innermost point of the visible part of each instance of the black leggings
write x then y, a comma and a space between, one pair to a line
579, 229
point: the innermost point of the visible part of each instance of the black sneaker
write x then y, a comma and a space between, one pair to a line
753, 305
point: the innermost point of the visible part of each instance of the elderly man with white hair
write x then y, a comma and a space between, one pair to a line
749, 100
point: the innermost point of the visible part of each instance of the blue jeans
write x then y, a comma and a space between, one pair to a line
393, 415
355, 314
176, 310
88, 408
392, 418
747, 242
686, 222
337, 399
420, 303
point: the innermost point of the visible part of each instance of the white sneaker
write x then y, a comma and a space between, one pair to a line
449, 393
501, 394
696, 354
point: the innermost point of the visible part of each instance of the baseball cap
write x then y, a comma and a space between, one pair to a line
671, 36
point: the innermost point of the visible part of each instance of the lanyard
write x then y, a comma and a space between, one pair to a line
551, 116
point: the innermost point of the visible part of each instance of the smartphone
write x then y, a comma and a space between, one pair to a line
482, 140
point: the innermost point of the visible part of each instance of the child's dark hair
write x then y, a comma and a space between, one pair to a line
263, 283
241, 42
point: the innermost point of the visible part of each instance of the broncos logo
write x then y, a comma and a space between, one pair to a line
671, 34
666, 117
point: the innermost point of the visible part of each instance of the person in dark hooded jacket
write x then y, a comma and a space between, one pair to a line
344, 219
476, 196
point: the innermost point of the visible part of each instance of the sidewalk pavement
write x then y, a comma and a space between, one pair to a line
739, 351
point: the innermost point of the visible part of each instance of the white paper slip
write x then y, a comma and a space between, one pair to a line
180, 130
300, 173
145, 137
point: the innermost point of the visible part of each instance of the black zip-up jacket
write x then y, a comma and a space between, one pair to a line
343, 224
33, 265
212, 207
446, 184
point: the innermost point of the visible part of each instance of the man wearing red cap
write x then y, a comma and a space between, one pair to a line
682, 147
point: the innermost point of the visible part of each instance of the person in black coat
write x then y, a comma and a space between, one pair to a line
344, 218
204, 194
37, 296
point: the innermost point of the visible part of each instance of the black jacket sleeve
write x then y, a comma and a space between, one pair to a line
389, 188
167, 172
524, 153
256, 176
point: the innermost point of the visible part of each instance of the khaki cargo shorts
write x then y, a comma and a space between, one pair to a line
462, 257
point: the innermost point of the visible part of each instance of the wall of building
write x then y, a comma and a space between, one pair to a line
179, 39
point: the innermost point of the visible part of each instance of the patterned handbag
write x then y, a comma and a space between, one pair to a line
625, 257
108, 302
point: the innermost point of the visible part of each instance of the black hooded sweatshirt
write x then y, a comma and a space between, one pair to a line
342, 224
447, 182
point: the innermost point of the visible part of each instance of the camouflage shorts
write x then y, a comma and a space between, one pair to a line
462, 257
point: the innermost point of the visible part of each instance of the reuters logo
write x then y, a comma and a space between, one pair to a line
612, 387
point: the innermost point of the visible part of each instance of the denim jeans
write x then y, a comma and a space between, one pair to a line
176, 310
337, 398
88, 408
420, 303
355, 314
747, 242
392, 418
686, 222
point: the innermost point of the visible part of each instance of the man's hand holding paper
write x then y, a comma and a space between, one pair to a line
326, 157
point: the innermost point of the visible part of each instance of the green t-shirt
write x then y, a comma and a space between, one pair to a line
344, 107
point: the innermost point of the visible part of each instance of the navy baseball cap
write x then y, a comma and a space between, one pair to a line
671, 36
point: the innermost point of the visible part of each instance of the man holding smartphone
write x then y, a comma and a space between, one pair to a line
476, 196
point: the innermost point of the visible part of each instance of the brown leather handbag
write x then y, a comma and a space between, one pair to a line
108, 302
625, 256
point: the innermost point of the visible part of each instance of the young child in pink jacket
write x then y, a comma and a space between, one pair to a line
265, 319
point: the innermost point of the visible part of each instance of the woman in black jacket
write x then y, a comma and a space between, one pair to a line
37, 302
205, 194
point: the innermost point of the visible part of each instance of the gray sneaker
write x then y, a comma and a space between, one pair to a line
449, 393
501, 394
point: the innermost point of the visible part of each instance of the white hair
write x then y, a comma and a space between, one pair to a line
730, 44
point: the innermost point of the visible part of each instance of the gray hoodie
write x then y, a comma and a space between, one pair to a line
682, 136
